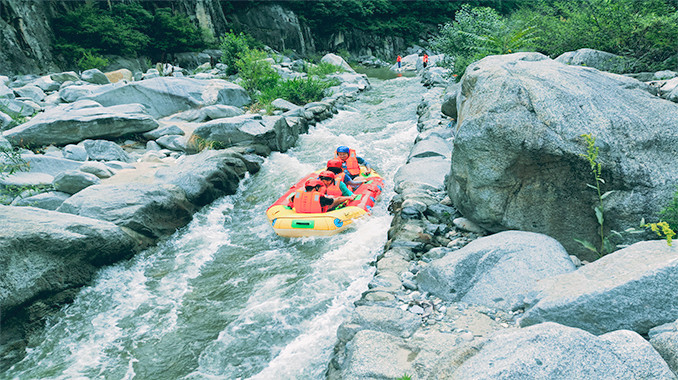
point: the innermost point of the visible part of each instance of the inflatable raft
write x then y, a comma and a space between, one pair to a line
288, 223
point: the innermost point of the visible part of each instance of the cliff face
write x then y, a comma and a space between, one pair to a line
26, 34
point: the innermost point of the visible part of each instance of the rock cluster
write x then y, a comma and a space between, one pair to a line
447, 303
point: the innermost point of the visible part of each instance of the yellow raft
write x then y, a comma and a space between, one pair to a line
288, 223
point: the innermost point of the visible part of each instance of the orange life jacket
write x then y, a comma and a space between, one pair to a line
351, 163
308, 202
334, 188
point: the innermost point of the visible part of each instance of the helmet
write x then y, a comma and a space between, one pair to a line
313, 182
334, 163
343, 149
327, 174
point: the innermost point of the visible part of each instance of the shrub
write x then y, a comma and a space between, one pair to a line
298, 91
91, 60
256, 73
11, 162
233, 47
323, 69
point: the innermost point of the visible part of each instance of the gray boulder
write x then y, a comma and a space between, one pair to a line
50, 200
18, 107
432, 146
206, 176
94, 76
517, 159
239, 130
497, 271
153, 210
97, 168
71, 182
65, 76
552, 351
220, 111
632, 289
424, 173
600, 60
173, 142
104, 150
375, 355
664, 339
41, 170
74, 92
32, 92
75, 152
44, 252
449, 106
164, 96
5, 121
337, 61
6, 92
378, 318
163, 131
66, 124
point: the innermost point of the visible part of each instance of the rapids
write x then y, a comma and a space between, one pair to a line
226, 298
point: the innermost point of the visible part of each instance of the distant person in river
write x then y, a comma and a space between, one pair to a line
399, 60
425, 60
351, 163
313, 198
335, 166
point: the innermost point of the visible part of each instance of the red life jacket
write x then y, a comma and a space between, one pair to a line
308, 202
334, 188
351, 163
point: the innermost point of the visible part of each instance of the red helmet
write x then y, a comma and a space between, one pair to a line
327, 174
334, 163
313, 182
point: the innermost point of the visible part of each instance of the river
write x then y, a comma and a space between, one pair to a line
226, 298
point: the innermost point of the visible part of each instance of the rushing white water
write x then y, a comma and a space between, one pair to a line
226, 298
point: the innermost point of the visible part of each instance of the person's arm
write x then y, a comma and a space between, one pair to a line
362, 161
336, 201
357, 181
344, 189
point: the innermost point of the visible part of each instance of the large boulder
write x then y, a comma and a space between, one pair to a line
336, 60
154, 210
66, 124
552, 351
39, 170
43, 252
600, 60
498, 270
273, 131
517, 160
206, 176
631, 289
164, 96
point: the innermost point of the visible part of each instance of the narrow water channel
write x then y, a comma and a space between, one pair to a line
226, 298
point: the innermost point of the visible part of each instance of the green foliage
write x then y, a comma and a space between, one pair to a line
478, 32
125, 29
591, 155
173, 33
91, 60
404, 377
11, 162
255, 71
233, 47
670, 213
642, 30
298, 91
323, 69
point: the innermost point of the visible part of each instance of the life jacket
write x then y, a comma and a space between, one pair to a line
351, 163
308, 202
334, 188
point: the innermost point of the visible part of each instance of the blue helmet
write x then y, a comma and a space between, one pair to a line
343, 149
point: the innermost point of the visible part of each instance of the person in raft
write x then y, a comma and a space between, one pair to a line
351, 163
335, 187
335, 166
313, 199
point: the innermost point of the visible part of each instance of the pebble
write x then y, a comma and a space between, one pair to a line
416, 309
